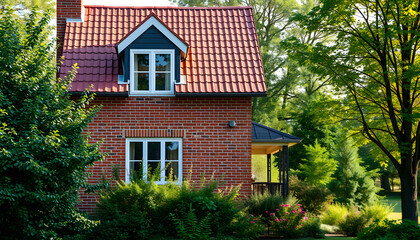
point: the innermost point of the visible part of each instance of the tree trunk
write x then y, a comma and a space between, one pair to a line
385, 182
409, 205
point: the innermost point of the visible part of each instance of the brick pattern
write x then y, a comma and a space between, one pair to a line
209, 144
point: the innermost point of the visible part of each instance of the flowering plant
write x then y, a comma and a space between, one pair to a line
287, 221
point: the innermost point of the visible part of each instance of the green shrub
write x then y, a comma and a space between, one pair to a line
312, 227
377, 211
245, 226
353, 223
286, 221
132, 225
188, 226
205, 199
314, 199
391, 229
259, 204
334, 214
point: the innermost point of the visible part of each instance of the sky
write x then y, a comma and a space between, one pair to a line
128, 2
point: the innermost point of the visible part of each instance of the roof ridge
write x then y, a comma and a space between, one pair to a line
168, 7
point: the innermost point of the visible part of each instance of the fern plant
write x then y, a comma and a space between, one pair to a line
188, 226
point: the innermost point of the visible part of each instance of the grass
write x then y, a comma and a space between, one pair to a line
394, 199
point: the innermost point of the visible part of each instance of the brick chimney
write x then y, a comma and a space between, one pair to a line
67, 10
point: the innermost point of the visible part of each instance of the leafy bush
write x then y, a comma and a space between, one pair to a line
44, 153
188, 226
286, 221
246, 226
314, 199
132, 225
353, 223
391, 229
165, 206
334, 214
259, 204
377, 211
312, 227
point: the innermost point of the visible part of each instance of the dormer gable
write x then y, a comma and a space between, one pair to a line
152, 20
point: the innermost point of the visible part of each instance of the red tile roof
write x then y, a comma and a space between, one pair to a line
223, 57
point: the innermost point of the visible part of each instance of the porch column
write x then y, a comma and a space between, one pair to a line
285, 185
268, 167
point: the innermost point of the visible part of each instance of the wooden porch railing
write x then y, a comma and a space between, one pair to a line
262, 187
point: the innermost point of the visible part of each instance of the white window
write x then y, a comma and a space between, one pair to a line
152, 72
161, 158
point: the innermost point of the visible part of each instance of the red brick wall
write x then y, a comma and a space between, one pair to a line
66, 9
209, 145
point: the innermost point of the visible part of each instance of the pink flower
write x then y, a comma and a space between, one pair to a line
277, 209
252, 215
296, 227
301, 225
252, 222
271, 214
266, 211
299, 205
276, 219
305, 218
294, 211
286, 205
287, 213
283, 205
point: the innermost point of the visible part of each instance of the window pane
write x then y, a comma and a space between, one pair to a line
163, 81
141, 62
171, 172
141, 81
163, 62
153, 169
171, 150
136, 170
153, 151
136, 151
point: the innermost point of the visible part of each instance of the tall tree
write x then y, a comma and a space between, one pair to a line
43, 152
374, 61
20, 6
352, 183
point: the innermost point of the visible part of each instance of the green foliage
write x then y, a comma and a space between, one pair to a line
373, 63
287, 221
352, 184
246, 226
377, 211
312, 227
317, 169
44, 153
391, 229
353, 223
133, 225
188, 226
165, 206
260, 203
314, 199
20, 6
334, 214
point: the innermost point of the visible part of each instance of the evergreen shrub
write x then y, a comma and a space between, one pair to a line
314, 199
391, 229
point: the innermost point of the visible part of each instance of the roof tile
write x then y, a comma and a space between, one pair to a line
224, 55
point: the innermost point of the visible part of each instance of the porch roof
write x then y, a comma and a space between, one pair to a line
266, 140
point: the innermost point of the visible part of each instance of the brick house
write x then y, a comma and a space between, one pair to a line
175, 85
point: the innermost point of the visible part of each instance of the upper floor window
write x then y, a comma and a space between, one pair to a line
152, 72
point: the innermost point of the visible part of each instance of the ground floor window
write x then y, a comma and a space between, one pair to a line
160, 159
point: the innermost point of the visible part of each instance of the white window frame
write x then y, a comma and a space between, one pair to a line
152, 72
145, 160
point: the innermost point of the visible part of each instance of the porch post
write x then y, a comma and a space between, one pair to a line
268, 167
285, 171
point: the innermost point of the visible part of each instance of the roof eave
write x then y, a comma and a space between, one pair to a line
101, 94
254, 94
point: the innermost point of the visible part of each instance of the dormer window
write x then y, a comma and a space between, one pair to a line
152, 72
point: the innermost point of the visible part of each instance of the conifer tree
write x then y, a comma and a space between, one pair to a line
352, 183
